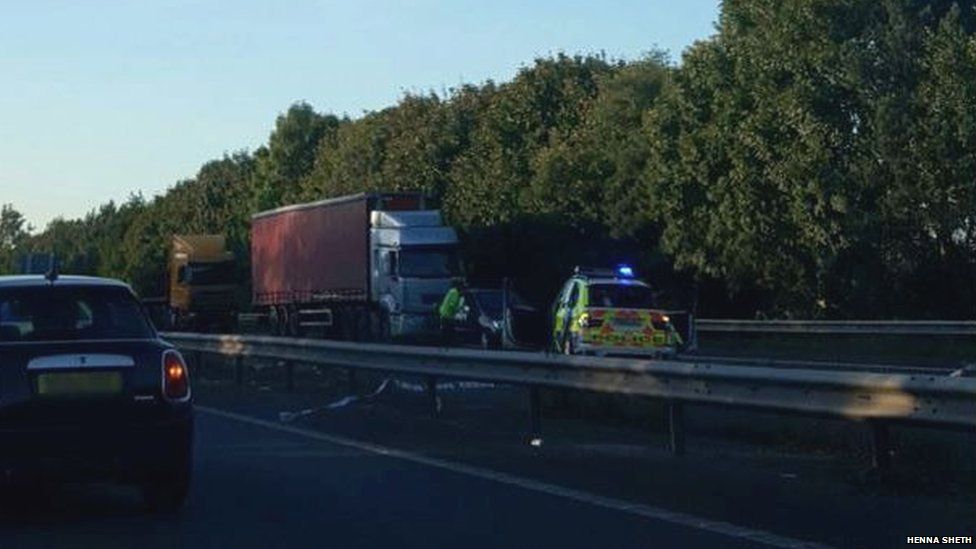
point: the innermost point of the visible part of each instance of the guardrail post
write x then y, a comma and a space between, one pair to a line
353, 382
289, 376
535, 413
198, 360
431, 382
239, 370
880, 446
676, 428
692, 333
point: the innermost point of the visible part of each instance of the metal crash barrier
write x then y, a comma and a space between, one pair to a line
878, 399
839, 327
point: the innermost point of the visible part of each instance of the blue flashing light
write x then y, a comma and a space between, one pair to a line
625, 271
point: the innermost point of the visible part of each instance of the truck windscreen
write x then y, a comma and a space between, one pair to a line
204, 274
428, 263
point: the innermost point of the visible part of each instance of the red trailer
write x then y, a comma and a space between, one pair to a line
311, 252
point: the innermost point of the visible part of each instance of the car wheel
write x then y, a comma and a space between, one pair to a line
166, 491
27, 494
490, 342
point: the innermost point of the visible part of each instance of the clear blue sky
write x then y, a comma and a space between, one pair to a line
102, 98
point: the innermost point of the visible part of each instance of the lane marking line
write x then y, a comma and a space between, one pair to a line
639, 509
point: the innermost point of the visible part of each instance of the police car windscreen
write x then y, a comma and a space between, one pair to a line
621, 296
70, 314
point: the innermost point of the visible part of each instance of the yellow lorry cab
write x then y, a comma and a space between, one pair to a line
608, 312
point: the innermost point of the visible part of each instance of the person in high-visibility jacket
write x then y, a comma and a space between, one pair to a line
449, 308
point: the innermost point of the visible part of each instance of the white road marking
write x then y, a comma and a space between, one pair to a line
639, 509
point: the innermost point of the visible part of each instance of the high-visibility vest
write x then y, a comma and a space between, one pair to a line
450, 304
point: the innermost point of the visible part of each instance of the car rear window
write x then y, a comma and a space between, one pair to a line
621, 296
66, 313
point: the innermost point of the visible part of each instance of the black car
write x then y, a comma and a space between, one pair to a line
88, 390
495, 319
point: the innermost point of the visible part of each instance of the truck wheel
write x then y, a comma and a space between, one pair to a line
363, 327
274, 320
347, 324
294, 322
385, 332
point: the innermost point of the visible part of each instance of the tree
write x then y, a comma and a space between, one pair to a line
592, 174
782, 156
290, 154
14, 231
491, 179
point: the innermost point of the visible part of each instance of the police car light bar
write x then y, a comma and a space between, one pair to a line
621, 271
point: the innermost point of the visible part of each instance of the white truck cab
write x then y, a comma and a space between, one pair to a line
413, 258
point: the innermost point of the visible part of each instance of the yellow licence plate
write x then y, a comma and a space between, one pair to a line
79, 383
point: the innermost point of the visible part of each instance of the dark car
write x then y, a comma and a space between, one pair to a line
88, 390
496, 319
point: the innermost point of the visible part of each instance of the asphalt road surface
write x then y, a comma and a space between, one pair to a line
400, 480
259, 486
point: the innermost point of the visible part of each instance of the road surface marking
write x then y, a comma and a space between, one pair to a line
639, 509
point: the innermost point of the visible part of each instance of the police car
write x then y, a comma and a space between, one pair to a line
88, 390
609, 312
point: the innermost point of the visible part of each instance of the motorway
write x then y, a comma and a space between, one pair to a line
261, 487
384, 474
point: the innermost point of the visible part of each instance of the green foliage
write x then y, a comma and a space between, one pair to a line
591, 173
788, 156
13, 233
492, 177
290, 154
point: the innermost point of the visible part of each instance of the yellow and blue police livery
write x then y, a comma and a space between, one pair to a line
609, 312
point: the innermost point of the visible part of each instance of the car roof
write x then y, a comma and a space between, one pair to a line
36, 281
607, 280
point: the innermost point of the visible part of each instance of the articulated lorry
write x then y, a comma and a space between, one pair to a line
201, 285
362, 267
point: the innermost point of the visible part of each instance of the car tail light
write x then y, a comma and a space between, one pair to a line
176, 377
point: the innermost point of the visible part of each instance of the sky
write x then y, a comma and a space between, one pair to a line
103, 98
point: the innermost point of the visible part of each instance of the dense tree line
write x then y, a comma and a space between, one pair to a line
813, 158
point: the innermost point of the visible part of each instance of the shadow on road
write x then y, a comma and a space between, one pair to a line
70, 503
